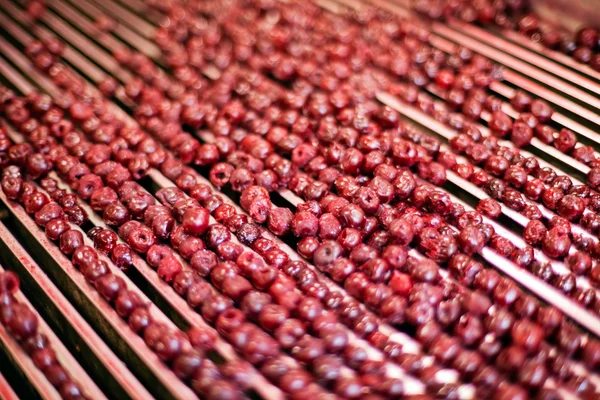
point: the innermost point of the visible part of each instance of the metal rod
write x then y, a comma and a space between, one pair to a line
132, 38
123, 15
142, 9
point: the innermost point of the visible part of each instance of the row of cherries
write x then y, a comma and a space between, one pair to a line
583, 46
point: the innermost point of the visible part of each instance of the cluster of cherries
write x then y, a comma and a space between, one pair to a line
260, 210
141, 238
566, 207
130, 200
50, 207
22, 324
133, 201
557, 193
574, 196
360, 173
584, 46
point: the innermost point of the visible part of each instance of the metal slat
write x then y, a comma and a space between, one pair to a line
127, 35
143, 10
123, 15
6, 391
25, 39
